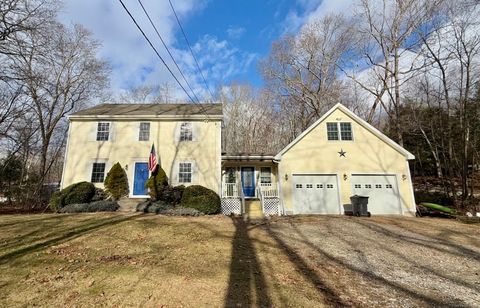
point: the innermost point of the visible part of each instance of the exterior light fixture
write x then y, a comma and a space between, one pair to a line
404, 177
286, 177
345, 176
126, 167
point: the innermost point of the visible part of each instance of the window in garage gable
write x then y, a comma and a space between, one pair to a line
345, 129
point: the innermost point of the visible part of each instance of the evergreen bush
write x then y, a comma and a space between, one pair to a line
116, 182
157, 183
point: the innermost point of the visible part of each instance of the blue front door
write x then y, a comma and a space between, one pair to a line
140, 178
248, 181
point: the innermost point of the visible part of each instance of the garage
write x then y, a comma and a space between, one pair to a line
382, 191
315, 194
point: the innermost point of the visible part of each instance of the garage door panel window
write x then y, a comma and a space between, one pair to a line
298, 186
339, 131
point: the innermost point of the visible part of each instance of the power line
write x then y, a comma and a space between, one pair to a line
190, 48
168, 50
153, 47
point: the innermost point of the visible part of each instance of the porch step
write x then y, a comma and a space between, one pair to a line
253, 209
129, 205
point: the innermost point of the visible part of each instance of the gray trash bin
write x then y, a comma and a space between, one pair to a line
360, 205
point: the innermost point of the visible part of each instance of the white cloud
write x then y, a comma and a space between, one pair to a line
133, 61
235, 32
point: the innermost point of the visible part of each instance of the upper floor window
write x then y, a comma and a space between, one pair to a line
98, 172
265, 175
185, 172
186, 132
144, 131
339, 131
103, 131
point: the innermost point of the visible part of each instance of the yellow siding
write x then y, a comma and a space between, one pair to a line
83, 150
366, 154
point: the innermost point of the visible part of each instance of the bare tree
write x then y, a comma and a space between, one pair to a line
59, 72
302, 70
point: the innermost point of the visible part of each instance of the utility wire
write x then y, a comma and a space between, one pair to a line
153, 47
190, 48
168, 50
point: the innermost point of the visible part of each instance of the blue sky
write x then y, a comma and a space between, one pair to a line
228, 37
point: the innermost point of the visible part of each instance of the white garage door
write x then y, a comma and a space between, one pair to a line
382, 191
315, 194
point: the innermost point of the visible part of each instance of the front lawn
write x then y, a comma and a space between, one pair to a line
146, 260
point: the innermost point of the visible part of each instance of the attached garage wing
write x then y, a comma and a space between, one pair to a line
315, 194
382, 191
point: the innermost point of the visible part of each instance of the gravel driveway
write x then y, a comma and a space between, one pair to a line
384, 261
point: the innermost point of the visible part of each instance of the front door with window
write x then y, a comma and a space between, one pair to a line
248, 181
139, 179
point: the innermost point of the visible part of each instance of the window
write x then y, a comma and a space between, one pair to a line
388, 186
332, 131
98, 172
345, 129
368, 185
103, 131
144, 132
265, 175
358, 186
329, 185
298, 186
185, 172
186, 132
309, 186
230, 175
378, 185
319, 185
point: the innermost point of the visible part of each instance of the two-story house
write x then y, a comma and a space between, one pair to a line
338, 156
187, 139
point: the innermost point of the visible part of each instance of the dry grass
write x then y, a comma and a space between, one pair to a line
146, 260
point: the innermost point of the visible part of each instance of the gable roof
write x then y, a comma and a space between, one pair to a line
151, 110
357, 119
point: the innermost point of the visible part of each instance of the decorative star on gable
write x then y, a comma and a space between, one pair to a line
342, 153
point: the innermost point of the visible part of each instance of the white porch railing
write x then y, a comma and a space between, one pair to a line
268, 190
230, 190
269, 198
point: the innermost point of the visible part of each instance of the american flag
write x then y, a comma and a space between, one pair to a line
152, 160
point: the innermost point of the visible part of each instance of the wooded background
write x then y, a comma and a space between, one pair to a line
410, 68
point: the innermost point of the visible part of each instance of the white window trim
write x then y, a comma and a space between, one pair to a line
90, 169
110, 128
180, 131
139, 131
339, 130
176, 172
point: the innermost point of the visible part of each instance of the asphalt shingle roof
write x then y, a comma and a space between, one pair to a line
151, 110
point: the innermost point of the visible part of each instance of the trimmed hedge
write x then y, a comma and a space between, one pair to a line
152, 207
116, 182
81, 192
202, 199
97, 206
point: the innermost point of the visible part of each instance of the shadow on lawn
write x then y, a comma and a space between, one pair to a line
246, 276
64, 236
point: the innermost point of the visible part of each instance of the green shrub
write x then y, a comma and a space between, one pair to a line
201, 198
81, 192
97, 206
153, 207
181, 211
99, 195
116, 182
157, 183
